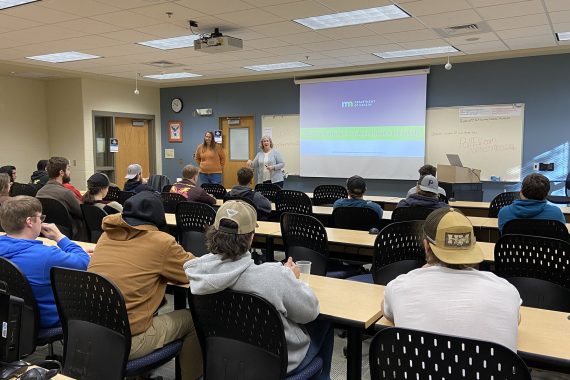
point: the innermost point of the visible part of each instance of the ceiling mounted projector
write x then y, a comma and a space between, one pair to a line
217, 43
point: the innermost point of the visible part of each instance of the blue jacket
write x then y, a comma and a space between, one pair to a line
350, 202
529, 209
35, 260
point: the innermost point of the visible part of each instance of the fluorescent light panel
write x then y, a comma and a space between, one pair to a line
278, 66
14, 3
66, 56
172, 76
172, 43
361, 16
563, 36
415, 52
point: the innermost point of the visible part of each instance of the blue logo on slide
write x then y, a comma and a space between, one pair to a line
357, 103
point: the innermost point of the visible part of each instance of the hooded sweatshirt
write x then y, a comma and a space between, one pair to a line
136, 186
293, 299
417, 200
261, 203
39, 178
35, 260
529, 209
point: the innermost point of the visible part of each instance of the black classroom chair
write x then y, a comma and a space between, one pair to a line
170, 201
537, 227
293, 201
124, 195
357, 218
402, 214
269, 190
112, 194
56, 213
93, 217
328, 194
23, 189
502, 200
192, 221
562, 199
215, 189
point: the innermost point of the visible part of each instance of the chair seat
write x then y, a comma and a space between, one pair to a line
49, 335
337, 269
362, 278
309, 371
154, 359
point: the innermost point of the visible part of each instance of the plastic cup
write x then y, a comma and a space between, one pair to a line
305, 269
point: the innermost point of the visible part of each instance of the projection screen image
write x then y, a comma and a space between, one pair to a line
371, 127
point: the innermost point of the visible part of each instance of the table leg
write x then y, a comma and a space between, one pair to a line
269, 249
354, 354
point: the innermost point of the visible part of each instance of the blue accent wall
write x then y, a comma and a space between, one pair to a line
542, 83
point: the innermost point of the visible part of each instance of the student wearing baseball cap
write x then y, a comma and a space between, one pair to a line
426, 195
135, 182
448, 295
229, 265
356, 186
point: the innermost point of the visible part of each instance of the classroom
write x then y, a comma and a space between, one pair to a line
131, 102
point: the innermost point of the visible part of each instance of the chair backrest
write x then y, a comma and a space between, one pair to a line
112, 194
538, 266
166, 188
269, 190
215, 189
537, 227
328, 194
293, 201
239, 333
170, 200
93, 217
305, 238
57, 213
443, 198
397, 353
192, 220
124, 195
96, 330
23, 189
356, 218
228, 197
500, 201
398, 249
158, 181
19, 286
402, 214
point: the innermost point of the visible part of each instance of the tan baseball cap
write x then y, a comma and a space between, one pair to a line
451, 238
241, 213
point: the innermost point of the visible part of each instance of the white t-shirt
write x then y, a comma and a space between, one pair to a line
468, 303
266, 172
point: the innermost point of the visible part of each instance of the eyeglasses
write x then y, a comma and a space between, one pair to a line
42, 217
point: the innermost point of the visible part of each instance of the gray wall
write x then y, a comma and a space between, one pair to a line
542, 83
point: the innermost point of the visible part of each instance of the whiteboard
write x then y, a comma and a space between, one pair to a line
487, 137
284, 132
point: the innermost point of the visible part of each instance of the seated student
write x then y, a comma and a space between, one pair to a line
40, 176
5, 186
448, 295
97, 188
533, 204
262, 204
59, 173
187, 187
356, 187
426, 195
135, 182
21, 217
229, 265
140, 259
426, 170
10, 170
67, 184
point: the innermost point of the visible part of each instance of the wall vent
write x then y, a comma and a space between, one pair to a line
463, 30
163, 64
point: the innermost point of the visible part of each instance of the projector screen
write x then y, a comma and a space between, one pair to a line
371, 127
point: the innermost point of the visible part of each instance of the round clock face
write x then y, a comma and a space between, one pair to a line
176, 105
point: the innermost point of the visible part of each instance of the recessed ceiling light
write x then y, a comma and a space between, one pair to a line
172, 43
361, 16
14, 3
278, 66
172, 76
563, 36
415, 52
66, 56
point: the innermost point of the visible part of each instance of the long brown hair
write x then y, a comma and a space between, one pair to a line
212, 142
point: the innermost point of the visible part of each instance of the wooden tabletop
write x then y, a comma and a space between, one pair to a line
82, 244
354, 301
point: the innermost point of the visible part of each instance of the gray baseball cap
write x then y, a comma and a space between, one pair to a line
428, 183
133, 170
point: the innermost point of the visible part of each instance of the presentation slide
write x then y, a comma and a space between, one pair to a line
371, 127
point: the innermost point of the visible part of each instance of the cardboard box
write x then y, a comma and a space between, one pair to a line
458, 174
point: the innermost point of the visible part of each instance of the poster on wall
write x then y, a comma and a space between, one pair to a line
174, 131
218, 137
113, 145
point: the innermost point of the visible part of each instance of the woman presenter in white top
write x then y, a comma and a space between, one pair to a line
268, 164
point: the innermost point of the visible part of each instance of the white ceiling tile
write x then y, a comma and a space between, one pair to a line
423, 44
430, 7
557, 5
117, 50
322, 46
7, 43
511, 10
126, 19
361, 59
393, 26
267, 3
280, 29
345, 6
338, 53
287, 50
524, 32
354, 31
90, 26
41, 34
482, 47
379, 48
304, 38
531, 42
560, 17
250, 17
12, 54
412, 35
299, 9
518, 22
473, 38
563, 27
361, 42
215, 7
130, 4
486, 3
262, 43
164, 30
84, 8
35, 12
15, 23
178, 12
129, 35
451, 18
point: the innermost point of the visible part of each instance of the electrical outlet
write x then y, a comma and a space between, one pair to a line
535, 166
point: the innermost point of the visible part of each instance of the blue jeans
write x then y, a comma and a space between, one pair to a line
210, 178
322, 343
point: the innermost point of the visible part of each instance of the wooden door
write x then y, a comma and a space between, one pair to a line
133, 147
241, 128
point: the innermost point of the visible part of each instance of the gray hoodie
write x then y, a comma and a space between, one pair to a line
292, 298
